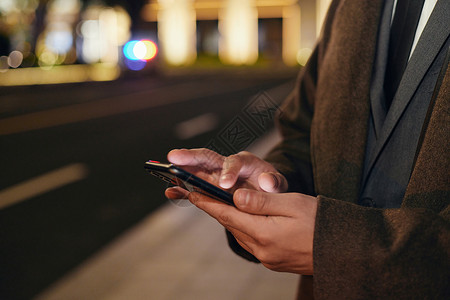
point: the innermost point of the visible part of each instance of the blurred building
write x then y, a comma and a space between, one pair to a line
88, 39
237, 31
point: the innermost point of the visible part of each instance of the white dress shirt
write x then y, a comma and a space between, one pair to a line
427, 9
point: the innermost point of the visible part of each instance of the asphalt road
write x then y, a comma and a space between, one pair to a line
72, 157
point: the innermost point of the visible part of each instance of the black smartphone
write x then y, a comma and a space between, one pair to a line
177, 176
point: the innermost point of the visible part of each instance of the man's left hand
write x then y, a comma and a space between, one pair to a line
278, 229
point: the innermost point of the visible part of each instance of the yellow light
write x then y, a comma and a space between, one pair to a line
47, 59
303, 56
123, 25
291, 34
60, 74
103, 30
109, 52
177, 31
238, 25
321, 9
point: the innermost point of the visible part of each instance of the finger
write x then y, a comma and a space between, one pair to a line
246, 241
265, 204
230, 171
195, 157
272, 182
227, 215
176, 193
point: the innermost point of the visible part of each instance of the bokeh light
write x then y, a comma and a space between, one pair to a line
152, 50
128, 50
238, 25
135, 65
15, 59
47, 59
60, 40
140, 50
101, 33
303, 55
177, 31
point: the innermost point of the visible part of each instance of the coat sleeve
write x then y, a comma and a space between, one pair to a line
366, 253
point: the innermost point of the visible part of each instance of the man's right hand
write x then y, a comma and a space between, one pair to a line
232, 172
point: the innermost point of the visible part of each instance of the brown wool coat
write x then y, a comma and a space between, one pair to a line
364, 253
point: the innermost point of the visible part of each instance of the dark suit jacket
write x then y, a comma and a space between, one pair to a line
360, 252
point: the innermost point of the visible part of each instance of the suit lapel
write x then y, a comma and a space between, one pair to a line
377, 98
430, 43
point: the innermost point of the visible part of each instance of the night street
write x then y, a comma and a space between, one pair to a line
320, 127
80, 149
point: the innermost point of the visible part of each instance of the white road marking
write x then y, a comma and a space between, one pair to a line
196, 126
42, 184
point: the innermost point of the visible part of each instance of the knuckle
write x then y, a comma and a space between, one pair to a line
233, 158
244, 153
231, 162
223, 218
261, 203
210, 155
246, 156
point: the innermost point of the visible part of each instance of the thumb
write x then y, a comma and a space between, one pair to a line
272, 182
260, 203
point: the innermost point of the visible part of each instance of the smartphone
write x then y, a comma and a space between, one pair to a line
177, 176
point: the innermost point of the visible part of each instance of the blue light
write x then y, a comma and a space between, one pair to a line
128, 50
135, 64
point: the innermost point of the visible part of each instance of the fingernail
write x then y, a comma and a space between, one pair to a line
242, 198
225, 179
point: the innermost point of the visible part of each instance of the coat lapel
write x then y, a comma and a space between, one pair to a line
429, 185
430, 43
342, 105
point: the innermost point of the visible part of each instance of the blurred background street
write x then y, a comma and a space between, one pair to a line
97, 139
90, 90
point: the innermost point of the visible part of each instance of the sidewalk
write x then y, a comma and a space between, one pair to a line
175, 253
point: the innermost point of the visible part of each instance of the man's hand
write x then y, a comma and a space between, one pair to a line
236, 171
278, 229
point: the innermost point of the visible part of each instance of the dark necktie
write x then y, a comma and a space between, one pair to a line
403, 29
